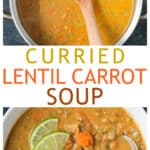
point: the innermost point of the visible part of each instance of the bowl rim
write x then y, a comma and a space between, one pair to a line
130, 29
11, 121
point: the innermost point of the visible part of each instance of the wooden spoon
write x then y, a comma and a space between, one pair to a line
86, 7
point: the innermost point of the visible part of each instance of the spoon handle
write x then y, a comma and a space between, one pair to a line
88, 14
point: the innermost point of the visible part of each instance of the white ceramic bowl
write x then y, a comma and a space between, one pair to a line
13, 114
127, 34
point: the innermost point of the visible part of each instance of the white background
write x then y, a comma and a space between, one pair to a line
114, 95
36, 95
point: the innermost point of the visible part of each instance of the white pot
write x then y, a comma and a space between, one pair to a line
126, 35
13, 114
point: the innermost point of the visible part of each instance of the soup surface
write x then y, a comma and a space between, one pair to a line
60, 22
101, 127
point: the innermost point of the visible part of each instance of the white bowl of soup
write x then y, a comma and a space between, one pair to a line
99, 122
46, 22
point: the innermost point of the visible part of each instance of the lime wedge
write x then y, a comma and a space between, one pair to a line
54, 141
41, 130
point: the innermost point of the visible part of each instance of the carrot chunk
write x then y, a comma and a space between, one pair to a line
84, 138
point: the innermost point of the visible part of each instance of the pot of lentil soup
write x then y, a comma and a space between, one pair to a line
45, 22
75, 128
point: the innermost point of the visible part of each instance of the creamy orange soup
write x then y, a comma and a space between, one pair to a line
60, 22
104, 125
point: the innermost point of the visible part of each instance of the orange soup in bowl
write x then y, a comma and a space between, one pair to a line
60, 22
75, 129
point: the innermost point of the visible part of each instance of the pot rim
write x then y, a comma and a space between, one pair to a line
134, 22
130, 29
